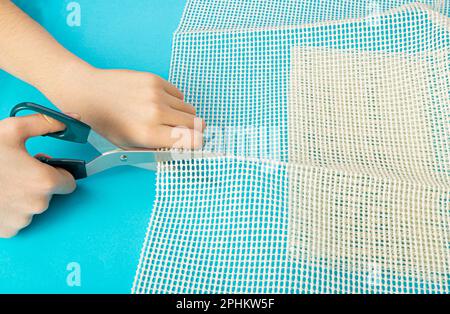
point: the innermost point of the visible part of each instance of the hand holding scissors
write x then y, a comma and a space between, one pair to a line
79, 132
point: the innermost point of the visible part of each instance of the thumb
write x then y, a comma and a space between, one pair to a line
36, 125
65, 182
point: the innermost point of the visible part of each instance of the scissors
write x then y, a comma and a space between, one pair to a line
79, 132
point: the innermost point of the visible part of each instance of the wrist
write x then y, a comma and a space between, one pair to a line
69, 89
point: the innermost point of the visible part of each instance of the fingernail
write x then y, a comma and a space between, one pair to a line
49, 120
42, 155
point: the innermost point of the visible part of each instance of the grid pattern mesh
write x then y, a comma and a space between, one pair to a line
334, 117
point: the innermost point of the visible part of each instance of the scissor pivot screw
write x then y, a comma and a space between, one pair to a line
123, 158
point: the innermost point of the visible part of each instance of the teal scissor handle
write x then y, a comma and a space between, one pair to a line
76, 131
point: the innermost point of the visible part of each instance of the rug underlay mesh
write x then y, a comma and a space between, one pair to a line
332, 120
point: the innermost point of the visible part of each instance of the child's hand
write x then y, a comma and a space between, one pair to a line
27, 185
131, 109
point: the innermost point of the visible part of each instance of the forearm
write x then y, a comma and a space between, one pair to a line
30, 53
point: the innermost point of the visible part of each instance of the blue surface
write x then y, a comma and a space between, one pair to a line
102, 225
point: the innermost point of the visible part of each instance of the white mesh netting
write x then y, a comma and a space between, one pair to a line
334, 118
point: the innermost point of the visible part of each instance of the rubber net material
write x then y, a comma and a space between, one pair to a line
334, 121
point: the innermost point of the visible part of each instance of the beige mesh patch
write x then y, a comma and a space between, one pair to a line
372, 196
362, 112
356, 222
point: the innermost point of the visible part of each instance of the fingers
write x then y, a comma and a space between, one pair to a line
179, 137
33, 125
182, 114
178, 104
67, 183
27, 185
58, 181
172, 90
15, 219
34, 200
7, 232
12, 222
177, 118
54, 180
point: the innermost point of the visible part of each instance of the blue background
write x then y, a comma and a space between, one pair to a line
102, 225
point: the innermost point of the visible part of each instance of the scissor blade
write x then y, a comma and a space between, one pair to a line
100, 143
164, 156
120, 157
